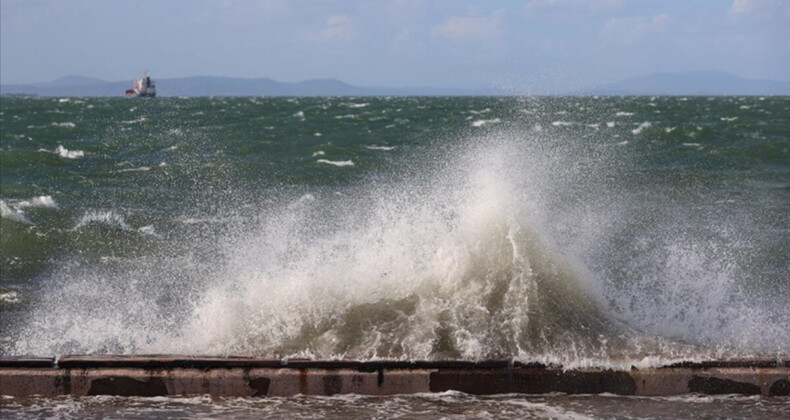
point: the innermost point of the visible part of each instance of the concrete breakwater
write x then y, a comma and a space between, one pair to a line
249, 377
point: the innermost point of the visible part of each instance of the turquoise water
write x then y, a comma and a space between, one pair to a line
583, 231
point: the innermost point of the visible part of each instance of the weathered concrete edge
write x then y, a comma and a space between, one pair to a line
245, 377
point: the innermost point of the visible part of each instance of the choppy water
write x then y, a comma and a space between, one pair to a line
572, 230
446, 405
581, 231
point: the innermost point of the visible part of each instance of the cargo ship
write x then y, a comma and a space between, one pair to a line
143, 87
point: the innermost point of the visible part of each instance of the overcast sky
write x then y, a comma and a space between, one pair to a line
441, 43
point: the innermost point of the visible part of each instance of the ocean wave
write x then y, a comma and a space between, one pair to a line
69, 154
17, 215
638, 130
9, 297
336, 162
102, 218
480, 123
44, 201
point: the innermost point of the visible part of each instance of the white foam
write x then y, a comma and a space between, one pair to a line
610, 124
624, 114
64, 124
69, 154
562, 124
107, 218
45, 201
150, 231
692, 145
319, 153
138, 169
9, 297
669, 129
374, 147
336, 162
299, 114
729, 119
480, 123
12, 214
355, 105
317, 134
139, 120
642, 127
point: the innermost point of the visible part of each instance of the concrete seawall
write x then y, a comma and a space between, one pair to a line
249, 377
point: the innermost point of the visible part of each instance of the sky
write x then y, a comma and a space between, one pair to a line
509, 44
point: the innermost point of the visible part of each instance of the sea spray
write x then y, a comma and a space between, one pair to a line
499, 241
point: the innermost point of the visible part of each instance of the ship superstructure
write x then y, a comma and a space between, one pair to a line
143, 87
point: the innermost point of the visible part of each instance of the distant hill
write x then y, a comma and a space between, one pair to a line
217, 86
692, 83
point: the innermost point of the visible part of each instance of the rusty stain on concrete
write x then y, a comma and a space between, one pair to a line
247, 377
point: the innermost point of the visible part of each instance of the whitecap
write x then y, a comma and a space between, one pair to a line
380, 147
317, 134
336, 162
610, 124
624, 114
561, 124
299, 114
692, 145
480, 123
729, 119
319, 153
140, 169
44, 201
12, 214
353, 105
150, 231
107, 218
64, 124
69, 154
139, 120
9, 297
642, 127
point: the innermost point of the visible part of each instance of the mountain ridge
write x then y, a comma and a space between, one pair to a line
666, 83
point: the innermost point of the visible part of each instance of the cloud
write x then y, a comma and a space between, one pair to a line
469, 28
741, 7
337, 28
629, 29
764, 7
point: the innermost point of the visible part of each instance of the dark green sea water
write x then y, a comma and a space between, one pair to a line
583, 231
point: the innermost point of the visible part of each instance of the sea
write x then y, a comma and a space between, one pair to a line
611, 232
